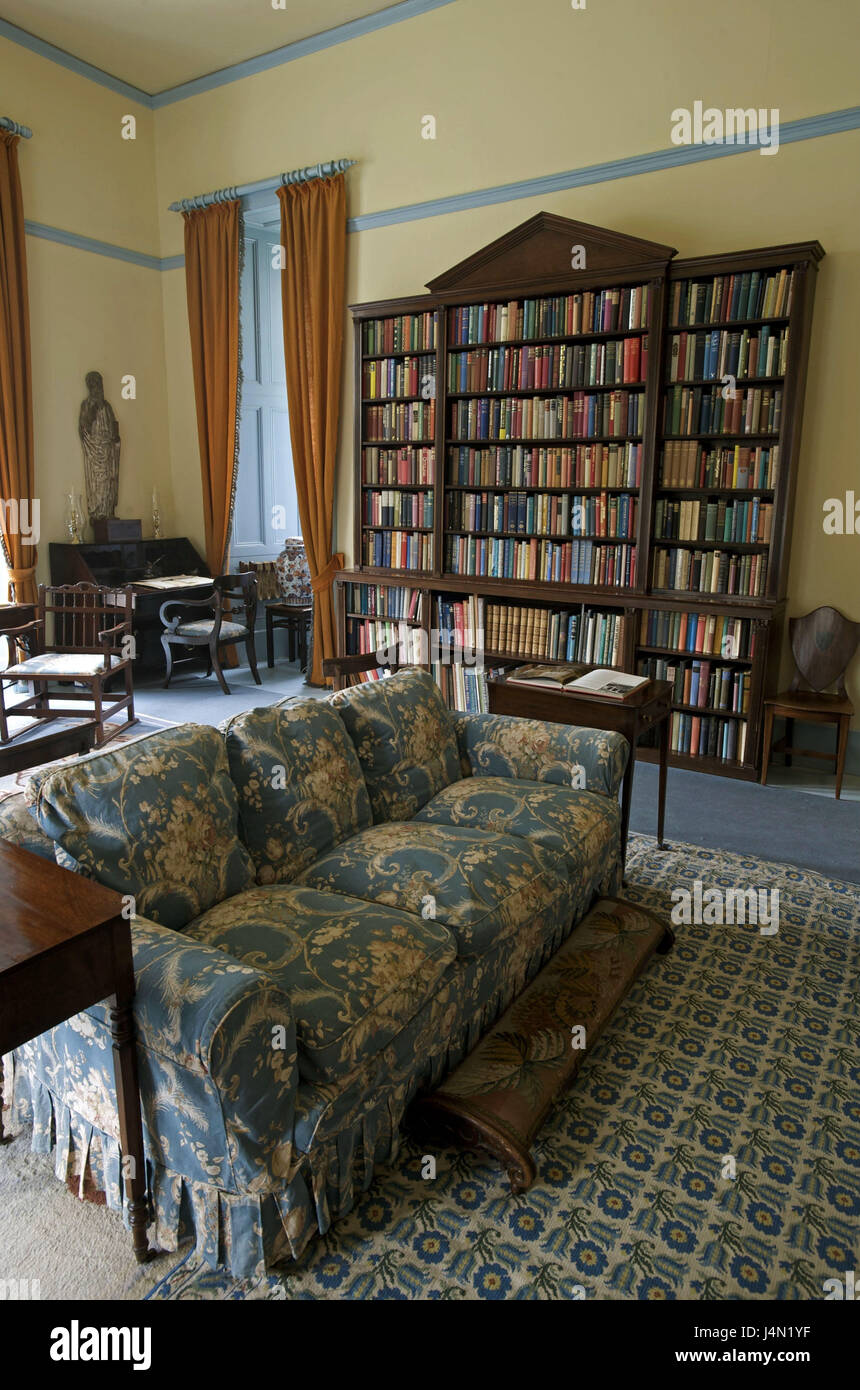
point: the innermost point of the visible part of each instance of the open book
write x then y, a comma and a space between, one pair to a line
554, 677
613, 685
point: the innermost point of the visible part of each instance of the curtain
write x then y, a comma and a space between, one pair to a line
212, 266
313, 234
16, 387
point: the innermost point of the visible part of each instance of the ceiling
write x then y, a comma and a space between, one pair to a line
157, 44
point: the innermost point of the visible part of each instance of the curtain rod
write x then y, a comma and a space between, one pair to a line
6, 123
226, 195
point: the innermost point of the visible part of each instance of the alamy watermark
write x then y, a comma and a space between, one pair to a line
720, 907
736, 125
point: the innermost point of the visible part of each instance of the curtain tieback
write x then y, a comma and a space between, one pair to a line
327, 574
18, 576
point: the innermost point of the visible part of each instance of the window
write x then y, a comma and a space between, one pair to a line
266, 509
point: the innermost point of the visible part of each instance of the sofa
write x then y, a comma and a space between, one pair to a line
331, 900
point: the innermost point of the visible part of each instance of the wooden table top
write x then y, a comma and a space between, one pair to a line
643, 695
43, 906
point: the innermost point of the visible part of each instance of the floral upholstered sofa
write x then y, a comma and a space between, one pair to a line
334, 899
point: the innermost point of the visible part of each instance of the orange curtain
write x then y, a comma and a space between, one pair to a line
16, 387
212, 239
313, 233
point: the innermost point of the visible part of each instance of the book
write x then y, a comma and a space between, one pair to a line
553, 677
615, 685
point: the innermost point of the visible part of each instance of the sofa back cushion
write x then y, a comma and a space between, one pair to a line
405, 740
299, 784
155, 818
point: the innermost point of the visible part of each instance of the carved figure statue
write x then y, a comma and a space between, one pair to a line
100, 441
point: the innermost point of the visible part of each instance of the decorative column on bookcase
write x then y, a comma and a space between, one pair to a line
651, 433
794, 385
441, 464
764, 631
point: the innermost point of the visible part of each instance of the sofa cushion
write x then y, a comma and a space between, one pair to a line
299, 785
482, 886
18, 825
155, 818
404, 738
356, 973
582, 829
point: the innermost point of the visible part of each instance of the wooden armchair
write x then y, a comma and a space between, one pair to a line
822, 644
232, 609
351, 670
93, 645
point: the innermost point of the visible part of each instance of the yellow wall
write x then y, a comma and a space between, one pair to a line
88, 311
517, 91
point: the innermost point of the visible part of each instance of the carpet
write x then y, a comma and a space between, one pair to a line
710, 1148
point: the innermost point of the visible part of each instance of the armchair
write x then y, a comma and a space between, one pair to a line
222, 628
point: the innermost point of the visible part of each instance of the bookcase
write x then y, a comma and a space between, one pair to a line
577, 446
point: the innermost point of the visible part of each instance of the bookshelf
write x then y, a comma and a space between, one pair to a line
595, 464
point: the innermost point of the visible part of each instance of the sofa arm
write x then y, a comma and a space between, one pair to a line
217, 1067
502, 745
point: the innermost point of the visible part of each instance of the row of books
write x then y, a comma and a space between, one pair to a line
460, 621
615, 362
750, 294
463, 687
399, 376
742, 522
705, 410
547, 562
556, 316
399, 550
701, 683
384, 601
718, 353
388, 467
399, 641
544, 514
708, 736
686, 463
392, 507
586, 465
413, 420
580, 416
404, 333
584, 634
700, 634
710, 572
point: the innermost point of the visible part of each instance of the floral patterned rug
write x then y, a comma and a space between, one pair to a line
710, 1148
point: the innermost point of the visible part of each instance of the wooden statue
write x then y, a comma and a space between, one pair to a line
100, 441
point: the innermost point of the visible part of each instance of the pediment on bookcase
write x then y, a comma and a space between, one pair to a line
539, 252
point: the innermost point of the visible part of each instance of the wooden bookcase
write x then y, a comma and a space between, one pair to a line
583, 447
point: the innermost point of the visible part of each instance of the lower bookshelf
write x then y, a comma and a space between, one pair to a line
720, 656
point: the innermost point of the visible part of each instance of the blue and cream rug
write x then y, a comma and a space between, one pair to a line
710, 1148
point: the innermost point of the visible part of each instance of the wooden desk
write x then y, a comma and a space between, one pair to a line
63, 947
647, 708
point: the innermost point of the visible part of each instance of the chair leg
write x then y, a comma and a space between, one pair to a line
252, 657
216, 666
270, 639
766, 741
789, 741
98, 714
841, 750
4, 725
168, 661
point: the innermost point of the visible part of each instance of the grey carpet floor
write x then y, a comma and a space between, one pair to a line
777, 823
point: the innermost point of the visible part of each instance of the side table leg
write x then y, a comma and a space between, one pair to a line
130, 1130
661, 794
4, 1138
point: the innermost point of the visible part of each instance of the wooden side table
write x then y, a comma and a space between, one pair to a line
295, 618
647, 708
63, 947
